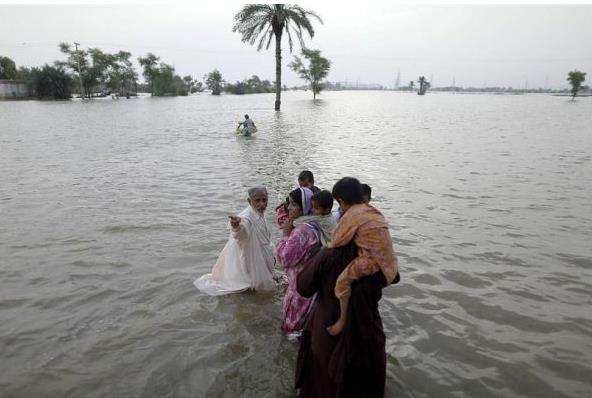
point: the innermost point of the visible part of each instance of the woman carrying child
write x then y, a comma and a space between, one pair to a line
300, 241
364, 225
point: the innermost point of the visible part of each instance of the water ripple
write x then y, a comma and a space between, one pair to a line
103, 231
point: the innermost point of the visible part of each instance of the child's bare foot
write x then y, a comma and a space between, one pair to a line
336, 328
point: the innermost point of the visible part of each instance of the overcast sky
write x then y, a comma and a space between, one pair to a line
500, 45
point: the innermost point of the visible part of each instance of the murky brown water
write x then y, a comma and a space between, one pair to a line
110, 209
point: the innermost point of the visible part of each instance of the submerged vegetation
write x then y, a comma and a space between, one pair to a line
317, 69
214, 81
575, 79
253, 85
95, 73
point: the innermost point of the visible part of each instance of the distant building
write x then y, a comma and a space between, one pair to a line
13, 89
329, 86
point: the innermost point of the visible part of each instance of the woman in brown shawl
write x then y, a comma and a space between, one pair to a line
352, 364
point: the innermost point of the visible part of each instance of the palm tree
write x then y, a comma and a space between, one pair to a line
422, 85
268, 21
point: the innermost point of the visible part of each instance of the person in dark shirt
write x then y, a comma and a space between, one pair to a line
352, 364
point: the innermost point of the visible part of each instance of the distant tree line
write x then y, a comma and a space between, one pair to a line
341, 86
93, 72
98, 71
253, 85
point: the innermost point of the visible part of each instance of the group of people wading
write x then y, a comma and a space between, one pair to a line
336, 265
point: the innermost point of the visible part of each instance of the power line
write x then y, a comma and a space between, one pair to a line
185, 49
79, 73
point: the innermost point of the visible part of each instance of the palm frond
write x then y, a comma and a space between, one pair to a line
267, 36
290, 42
249, 11
251, 21
259, 23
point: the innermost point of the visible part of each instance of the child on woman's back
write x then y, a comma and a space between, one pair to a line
367, 227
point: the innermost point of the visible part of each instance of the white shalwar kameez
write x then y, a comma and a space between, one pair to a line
246, 261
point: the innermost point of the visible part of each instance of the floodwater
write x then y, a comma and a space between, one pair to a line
110, 209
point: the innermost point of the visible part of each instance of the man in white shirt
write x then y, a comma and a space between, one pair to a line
247, 260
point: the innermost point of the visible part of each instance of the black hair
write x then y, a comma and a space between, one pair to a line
246, 116
323, 199
306, 175
296, 196
367, 191
349, 190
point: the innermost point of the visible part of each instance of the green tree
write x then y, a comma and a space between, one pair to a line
265, 22
164, 80
23, 73
317, 70
238, 88
7, 68
575, 79
197, 87
122, 76
102, 68
149, 63
252, 85
167, 83
127, 72
188, 82
214, 81
98, 70
181, 85
78, 62
161, 77
51, 82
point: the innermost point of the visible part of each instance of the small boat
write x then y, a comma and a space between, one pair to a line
240, 130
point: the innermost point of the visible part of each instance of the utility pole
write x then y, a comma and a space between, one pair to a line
546, 83
79, 74
398, 81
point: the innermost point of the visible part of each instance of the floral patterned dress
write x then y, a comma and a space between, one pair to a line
292, 253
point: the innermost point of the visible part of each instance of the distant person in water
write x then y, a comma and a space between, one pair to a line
248, 126
247, 260
367, 228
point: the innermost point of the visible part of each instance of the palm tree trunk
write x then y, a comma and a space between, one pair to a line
278, 70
